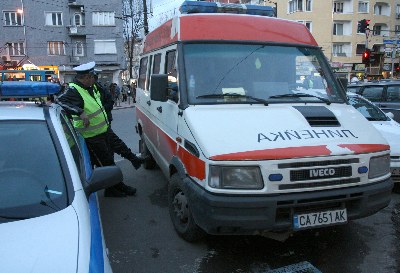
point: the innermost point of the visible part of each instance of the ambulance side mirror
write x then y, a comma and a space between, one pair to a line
159, 87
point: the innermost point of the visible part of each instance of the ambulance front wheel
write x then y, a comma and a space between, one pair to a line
179, 210
149, 163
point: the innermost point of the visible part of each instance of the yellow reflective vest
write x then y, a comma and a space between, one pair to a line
94, 110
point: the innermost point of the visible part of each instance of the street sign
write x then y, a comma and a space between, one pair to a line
391, 42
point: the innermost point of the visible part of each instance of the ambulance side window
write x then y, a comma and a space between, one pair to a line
142, 73
157, 63
149, 74
171, 71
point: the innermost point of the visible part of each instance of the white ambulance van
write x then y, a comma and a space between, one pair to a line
243, 115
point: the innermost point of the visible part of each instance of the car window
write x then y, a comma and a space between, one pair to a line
367, 109
373, 93
78, 149
31, 179
353, 89
393, 93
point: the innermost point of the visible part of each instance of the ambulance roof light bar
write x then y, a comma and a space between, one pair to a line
27, 89
189, 7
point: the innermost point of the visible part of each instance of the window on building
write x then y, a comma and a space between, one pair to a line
377, 30
308, 25
295, 5
78, 21
53, 18
338, 50
103, 18
79, 49
308, 5
397, 29
360, 48
378, 9
12, 18
56, 48
337, 29
363, 6
16, 48
338, 7
105, 47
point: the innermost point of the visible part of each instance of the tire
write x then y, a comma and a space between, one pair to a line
180, 213
149, 163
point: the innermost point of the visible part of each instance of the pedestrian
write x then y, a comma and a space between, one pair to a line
354, 78
82, 102
117, 95
118, 145
124, 94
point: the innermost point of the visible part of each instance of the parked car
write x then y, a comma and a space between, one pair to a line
389, 129
385, 94
49, 213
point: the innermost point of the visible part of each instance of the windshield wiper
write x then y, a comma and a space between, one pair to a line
235, 95
300, 95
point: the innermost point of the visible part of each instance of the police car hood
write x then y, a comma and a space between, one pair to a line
42, 244
390, 130
277, 131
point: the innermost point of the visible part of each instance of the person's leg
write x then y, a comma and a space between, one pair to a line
102, 155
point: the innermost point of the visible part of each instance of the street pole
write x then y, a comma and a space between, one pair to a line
367, 30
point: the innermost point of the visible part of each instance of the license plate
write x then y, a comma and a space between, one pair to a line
323, 218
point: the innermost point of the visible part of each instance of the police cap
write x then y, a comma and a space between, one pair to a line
87, 68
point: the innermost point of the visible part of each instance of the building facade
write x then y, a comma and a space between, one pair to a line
59, 35
334, 24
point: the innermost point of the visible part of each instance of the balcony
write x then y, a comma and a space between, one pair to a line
76, 31
75, 3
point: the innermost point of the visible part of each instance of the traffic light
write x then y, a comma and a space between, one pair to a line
362, 25
366, 56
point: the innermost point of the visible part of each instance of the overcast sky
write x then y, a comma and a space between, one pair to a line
163, 10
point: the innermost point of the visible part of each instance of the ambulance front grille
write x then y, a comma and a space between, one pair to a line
318, 163
319, 184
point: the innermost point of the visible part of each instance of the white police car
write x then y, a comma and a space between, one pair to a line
49, 214
388, 128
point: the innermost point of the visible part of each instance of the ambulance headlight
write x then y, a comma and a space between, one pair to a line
379, 166
237, 177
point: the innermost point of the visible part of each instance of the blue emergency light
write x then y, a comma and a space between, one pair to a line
189, 7
28, 89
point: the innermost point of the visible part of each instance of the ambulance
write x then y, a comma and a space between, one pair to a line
242, 113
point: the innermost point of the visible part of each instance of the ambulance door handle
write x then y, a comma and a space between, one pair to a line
159, 109
148, 103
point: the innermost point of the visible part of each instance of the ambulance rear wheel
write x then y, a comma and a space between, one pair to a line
149, 163
180, 213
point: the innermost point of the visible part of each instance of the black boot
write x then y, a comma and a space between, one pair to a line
114, 191
125, 189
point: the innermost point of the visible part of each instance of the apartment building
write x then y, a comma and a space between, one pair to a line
61, 34
334, 24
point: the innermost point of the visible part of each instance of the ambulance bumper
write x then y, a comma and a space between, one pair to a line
245, 215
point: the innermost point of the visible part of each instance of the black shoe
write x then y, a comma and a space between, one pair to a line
128, 190
114, 192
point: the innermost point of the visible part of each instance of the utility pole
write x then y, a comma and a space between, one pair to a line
145, 23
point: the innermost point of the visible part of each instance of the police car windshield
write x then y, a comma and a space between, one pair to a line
31, 180
258, 71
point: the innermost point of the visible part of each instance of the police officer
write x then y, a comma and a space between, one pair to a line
83, 103
117, 145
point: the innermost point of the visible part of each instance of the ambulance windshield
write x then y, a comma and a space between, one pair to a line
258, 74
